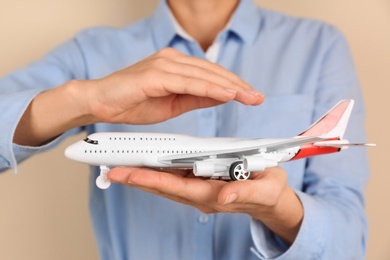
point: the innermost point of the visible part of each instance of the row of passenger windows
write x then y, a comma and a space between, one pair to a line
139, 151
143, 138
163, 151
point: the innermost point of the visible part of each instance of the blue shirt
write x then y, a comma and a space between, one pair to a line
303, 67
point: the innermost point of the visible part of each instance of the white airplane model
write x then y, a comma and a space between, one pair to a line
223, 158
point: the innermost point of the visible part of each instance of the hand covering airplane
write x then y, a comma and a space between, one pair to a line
218, 158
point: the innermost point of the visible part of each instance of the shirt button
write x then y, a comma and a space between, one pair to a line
203, 219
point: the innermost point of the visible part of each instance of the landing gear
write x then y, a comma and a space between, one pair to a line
102, 181
237, 172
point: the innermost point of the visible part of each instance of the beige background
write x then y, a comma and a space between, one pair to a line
44, 209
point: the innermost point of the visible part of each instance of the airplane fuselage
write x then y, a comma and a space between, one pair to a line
146, 150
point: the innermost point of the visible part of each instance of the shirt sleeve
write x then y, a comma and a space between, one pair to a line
334, 224
19, 88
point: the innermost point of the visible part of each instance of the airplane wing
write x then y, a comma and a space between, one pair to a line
239, 152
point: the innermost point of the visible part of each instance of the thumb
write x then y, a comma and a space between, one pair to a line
264, 189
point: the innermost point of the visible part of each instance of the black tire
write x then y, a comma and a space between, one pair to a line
237, 173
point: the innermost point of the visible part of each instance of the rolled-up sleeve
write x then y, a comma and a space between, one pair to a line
19, 88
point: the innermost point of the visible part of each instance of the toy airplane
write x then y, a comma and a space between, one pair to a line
219, 158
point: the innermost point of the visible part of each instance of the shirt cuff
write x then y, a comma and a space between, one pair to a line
23, 152
310, 239
13, 106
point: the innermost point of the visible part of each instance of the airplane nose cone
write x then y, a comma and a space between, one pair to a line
72, 152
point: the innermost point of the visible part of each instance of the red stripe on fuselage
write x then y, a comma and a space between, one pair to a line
309, 150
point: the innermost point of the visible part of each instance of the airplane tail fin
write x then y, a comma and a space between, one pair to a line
333, 124
331, 127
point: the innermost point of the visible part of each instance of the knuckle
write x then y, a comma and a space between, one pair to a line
207, 87
159, 62
166, 52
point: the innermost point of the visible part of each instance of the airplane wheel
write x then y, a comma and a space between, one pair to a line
237, 172
102, 182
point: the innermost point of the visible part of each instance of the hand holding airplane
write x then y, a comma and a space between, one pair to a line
266, 197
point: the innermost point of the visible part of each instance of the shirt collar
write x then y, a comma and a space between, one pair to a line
245, 23
163, 29
178, 28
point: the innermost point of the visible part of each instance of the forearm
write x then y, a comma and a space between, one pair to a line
52, 113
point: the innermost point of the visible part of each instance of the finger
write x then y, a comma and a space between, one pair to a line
185, 103
223, 77
198, 68
178, 171
264, 189
170, 83
193, 189
246, 95
163, 184
121, 175
210, 66
175, 62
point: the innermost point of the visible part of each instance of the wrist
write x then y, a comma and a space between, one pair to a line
76, 93
285, 217
52, 113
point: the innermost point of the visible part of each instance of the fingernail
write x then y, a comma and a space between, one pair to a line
128, 180
255, 93
230, 198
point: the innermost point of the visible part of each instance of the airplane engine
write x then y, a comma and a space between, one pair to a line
208, 168
257, 163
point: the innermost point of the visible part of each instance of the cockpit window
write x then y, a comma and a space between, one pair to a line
90, 141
